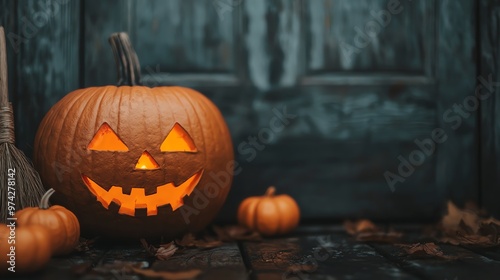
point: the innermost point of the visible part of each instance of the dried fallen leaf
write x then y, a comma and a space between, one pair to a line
236, 233
177, 275
302, 268
365, 230
81, 268
430, 249
85, 244
457, 219
166, 251
150, 249
190, 241
427, 248
469, 227
118, 267
362, 225
379, 237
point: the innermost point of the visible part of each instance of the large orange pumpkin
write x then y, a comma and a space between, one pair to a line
135, 161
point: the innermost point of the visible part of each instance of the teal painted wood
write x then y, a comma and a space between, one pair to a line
489, 59
171, 38
359, 103
457, 158
48, 61
98, 68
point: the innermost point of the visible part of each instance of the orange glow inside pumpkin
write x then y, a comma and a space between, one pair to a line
106, 139
165, 194
178, 140
146, 162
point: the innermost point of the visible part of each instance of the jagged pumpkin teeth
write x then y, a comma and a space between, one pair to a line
137, 199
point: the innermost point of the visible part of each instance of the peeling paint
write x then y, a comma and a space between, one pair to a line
255, 40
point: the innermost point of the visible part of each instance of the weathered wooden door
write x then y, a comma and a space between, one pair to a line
355, 108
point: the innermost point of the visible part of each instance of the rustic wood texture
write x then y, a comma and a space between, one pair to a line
332, 256
489, 60
468, 265
457, 158
224, 262
192, 39
48, 61
311, 252
107, 259
331, 24
355, 115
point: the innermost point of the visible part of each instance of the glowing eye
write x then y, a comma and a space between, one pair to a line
178, 140
106, 139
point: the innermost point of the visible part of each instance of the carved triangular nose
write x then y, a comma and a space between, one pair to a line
146, 162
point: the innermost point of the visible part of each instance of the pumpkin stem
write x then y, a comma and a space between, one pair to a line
44, 201
270, 191
127, 62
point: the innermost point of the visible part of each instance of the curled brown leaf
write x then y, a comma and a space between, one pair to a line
429, 249
190, 241
236, 233
170, 275
366, 230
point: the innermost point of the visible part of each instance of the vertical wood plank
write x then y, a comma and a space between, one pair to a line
101, 18
273, 42
489, 59
48, 61
366, 36
9, 21
457, 160
194, 37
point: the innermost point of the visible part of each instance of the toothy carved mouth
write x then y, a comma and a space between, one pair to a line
165, 194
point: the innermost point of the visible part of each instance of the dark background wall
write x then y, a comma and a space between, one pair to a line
363, 80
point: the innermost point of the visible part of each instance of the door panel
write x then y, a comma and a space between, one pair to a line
339, 36
354, 110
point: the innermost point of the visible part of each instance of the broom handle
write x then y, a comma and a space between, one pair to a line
4, 89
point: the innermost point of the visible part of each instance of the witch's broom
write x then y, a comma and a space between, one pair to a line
20, 184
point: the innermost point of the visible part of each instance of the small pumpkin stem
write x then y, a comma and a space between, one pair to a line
44, 201
127, 62
270, 191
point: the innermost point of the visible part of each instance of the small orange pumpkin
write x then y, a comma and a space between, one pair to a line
32, 248
269, 214
62, 223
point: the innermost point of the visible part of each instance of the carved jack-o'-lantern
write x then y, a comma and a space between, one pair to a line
134, 161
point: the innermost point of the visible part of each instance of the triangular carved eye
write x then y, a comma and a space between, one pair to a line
106, 139
178, 140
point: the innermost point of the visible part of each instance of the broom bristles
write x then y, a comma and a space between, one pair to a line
28, 186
